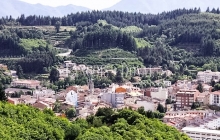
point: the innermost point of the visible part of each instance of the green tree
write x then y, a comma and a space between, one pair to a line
57, 26
118, 77
2, 94
70, 113
160, 108
200, 88
54, 75
19, 71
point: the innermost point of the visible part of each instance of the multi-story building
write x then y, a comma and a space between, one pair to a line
148, 71
26, 83
214, 98
159, 93
186, 97
115, 99
201, 134
207, 76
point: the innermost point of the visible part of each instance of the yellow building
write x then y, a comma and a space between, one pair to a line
3, 67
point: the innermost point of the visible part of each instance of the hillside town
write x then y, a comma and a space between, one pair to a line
178, 99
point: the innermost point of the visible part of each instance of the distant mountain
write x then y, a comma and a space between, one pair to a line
158, 6
15, 8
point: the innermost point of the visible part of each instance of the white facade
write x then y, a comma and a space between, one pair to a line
207, 76
201, 134
64, 72
211, 123
159, 93
26, 83
115, 99
214, 98
43, 93
71, 97
147, 105
167, 83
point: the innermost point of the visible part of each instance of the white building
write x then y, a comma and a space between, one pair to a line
207, 76
147, 105
214, 98
26, 83
69, 64
43, 93
159, 93
213, 122
201, 134
64, 72
149, 71
167, 83
115, 99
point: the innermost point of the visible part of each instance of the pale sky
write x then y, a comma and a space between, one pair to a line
92, 4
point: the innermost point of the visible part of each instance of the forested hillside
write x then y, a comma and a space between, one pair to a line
189, 37
23, 122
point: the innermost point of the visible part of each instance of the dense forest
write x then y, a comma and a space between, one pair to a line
189, 37
24, 122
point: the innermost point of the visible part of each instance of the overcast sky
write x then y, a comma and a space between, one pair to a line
92, 4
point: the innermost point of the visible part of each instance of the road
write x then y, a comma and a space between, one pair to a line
66, 53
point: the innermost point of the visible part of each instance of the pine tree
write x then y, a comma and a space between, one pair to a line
2, 94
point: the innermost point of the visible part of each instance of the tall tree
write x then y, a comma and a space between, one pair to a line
54, 75
19, 71
200, 88
160, 108
2, 93
57, 26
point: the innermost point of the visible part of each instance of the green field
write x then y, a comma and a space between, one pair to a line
141, 43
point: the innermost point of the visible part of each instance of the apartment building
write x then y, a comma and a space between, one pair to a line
214, 98
186, 97
201, 134
207, 76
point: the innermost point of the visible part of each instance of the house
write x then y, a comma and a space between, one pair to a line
207, 76
31, 84
41, 105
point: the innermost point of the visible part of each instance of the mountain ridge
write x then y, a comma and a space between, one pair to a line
16, 7
159, 6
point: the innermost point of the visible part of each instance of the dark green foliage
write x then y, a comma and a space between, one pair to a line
54, 75
23, 122
200, 88
2, 93
19, 71
195, 105
70, 113
161, 108
119, 77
